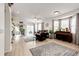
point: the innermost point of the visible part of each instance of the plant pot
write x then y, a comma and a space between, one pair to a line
51, 36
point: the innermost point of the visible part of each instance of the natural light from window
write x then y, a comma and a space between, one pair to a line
64, 24
56, 25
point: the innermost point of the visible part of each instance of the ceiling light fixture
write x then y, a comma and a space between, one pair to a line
56, 12
37, 20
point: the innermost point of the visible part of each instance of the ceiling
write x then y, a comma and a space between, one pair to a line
41, 10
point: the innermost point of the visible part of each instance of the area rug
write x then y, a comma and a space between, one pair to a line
53, 49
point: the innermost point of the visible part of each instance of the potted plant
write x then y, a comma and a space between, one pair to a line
22, 31
51, 34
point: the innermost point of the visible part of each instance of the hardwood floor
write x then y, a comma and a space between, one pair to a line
21, 48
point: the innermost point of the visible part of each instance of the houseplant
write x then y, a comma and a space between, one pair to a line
51, 34
22, 30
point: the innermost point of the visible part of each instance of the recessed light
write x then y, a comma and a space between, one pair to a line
56, 12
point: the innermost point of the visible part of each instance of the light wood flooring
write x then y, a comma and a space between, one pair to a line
21, 48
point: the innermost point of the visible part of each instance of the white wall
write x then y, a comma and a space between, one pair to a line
7, 28
2, 29
49, 27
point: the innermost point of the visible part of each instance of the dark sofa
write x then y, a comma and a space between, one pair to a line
42, 35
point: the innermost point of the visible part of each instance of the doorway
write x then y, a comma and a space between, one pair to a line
29, 33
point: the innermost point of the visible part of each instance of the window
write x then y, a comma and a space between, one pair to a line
36, 28
56, 25
30, 30
39, 26
64, 24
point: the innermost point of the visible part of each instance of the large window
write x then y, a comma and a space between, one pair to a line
64, 24
30, 30
56, 25
38, 26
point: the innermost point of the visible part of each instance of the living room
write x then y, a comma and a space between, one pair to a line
38, 27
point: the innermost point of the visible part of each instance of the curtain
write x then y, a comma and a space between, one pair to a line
77, 29
73, 27
42, 25
59, 24
74, 24
53, 25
